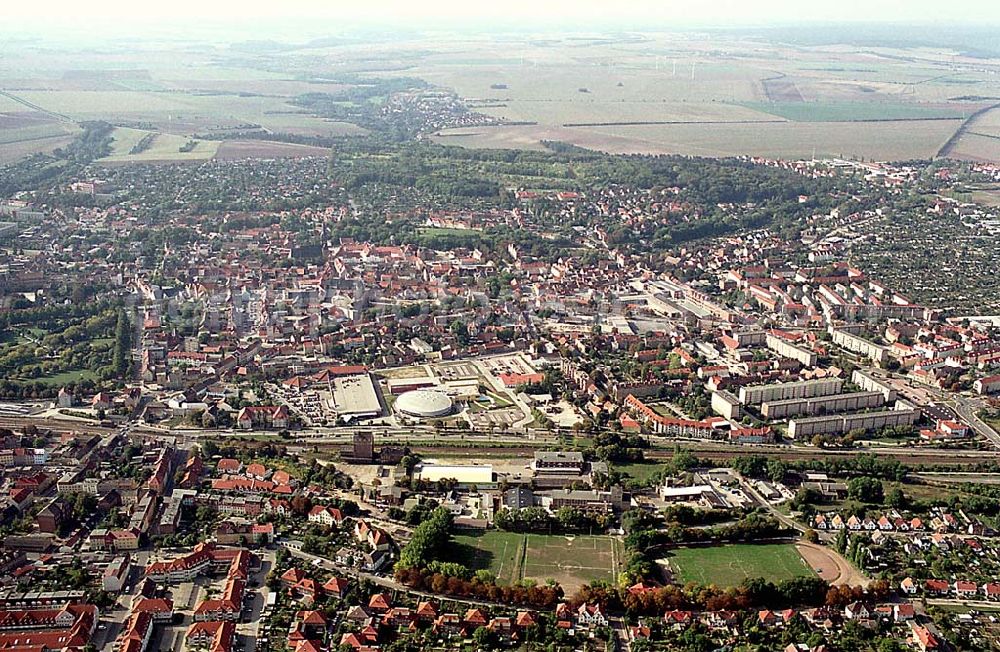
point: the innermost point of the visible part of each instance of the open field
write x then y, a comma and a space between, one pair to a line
501, 553
165, 147
688, 93
12, 152
856, 111
24, 132
880, 140
240, 149
67, 377
729, 565
640, 472
570, 560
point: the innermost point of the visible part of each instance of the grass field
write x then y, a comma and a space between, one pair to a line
66, 377
446, 231
850, 111
879, 140
501, 553
165, 147
640, 472
571, 561
731, 564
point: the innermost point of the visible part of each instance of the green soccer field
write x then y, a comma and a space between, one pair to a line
570, 560
731, 564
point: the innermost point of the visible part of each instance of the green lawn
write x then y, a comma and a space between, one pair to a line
71, 376
729, 565
443, 230
851, 111
640, 472
570, 560
502, 553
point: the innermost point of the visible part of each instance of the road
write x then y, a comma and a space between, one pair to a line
956, 602
760, 500
967, 409
388, 582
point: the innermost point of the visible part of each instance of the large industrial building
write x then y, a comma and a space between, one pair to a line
424, 403
356, 397
464, 475
757, 394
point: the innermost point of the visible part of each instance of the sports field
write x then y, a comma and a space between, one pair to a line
730, 565
570, 560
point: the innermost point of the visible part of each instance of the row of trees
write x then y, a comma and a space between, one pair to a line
428, 541
520, 593
752, 593
865, 464
537, 519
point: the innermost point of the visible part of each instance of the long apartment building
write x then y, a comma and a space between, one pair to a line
904, 414
876, 352
787, 349
757, 394
853, 401
661, 425
870, 383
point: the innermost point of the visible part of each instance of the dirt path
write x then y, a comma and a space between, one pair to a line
830, 565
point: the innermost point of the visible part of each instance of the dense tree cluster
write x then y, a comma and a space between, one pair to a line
524, 594
427, 542
537, 519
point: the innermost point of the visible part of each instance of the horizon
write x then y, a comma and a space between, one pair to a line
307, 18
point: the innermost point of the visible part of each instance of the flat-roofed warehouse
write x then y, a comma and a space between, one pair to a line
480, 475
356, 397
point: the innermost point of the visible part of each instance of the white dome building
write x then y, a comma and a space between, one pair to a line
424, 403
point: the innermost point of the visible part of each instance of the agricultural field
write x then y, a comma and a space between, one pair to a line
240, 149
857, 111
164, 147
570, 560
980, 140
707, 95
24, 132
729, 565
879, 140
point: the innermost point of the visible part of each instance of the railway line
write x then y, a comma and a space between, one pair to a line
510, 445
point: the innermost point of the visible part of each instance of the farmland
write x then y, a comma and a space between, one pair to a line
654, 93
855, 111
883, 140
729, 565
570, 560
164, 147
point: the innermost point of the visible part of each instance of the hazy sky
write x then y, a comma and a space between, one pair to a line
524, 13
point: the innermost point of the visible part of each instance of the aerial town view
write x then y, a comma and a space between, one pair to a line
423, 326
